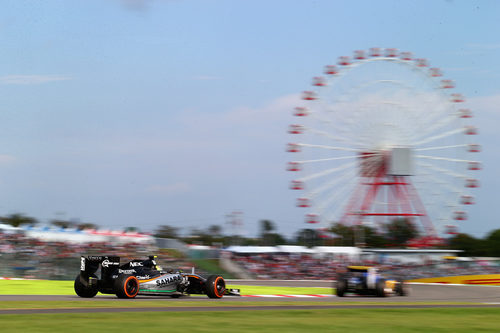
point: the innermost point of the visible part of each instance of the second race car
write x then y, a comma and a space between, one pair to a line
366, 281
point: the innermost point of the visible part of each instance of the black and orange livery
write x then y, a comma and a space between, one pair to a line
142, 277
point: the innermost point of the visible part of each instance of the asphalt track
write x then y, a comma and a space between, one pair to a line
420, 296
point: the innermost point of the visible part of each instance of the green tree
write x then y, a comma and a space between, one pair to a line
493, 243
167, 231
373, 238
400, 231
350, 235
215, 230
345, 234
266, 226
266, 230
308, 237
18, 219
470, 245
86, 225
63, 223
273, 239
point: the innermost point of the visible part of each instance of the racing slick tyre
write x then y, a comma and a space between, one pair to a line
341, 287
126, 286
84, 290
380, 288
215, 286
400, 289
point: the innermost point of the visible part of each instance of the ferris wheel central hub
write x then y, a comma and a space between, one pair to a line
395, 161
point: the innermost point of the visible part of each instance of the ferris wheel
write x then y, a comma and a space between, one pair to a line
382, 136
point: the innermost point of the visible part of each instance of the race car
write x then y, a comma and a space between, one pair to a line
142, 277
366, 281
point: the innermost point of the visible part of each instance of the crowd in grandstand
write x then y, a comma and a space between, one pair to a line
288, 266
23, 256
440, 269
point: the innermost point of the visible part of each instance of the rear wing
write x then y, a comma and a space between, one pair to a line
90, 264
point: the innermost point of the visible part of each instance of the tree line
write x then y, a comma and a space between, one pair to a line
397, 234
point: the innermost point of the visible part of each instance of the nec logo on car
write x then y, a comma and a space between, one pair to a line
136, 264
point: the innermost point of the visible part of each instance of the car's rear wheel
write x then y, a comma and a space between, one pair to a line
401, 288
126, 286
215, 286
83, 288
341, 286
380, 288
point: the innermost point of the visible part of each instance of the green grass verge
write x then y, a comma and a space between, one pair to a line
211, 266
42, 287
334, 320
36, 287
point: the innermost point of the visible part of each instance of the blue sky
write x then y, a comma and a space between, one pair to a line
142, 113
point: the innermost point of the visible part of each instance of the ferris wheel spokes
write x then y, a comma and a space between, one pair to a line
343, 193
442, 147
436, 125
452, 188
327, 159
326, 172
444, 171
310, 145
437, 158
330, 185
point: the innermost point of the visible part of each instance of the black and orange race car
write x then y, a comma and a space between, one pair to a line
142, 277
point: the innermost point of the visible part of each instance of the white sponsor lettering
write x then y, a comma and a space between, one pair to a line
168, 280
82, 264
106, 263
136, 264
126, 271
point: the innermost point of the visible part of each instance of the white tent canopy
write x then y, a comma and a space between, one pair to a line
349, 251
352, 252
9, 229
252, 249
294, 249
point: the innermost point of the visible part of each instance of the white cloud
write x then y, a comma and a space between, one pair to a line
7, 159
487, 103
278, 110
486, 113
31, 79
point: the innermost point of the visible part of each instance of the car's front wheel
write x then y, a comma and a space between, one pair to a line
215, 286
341, 287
